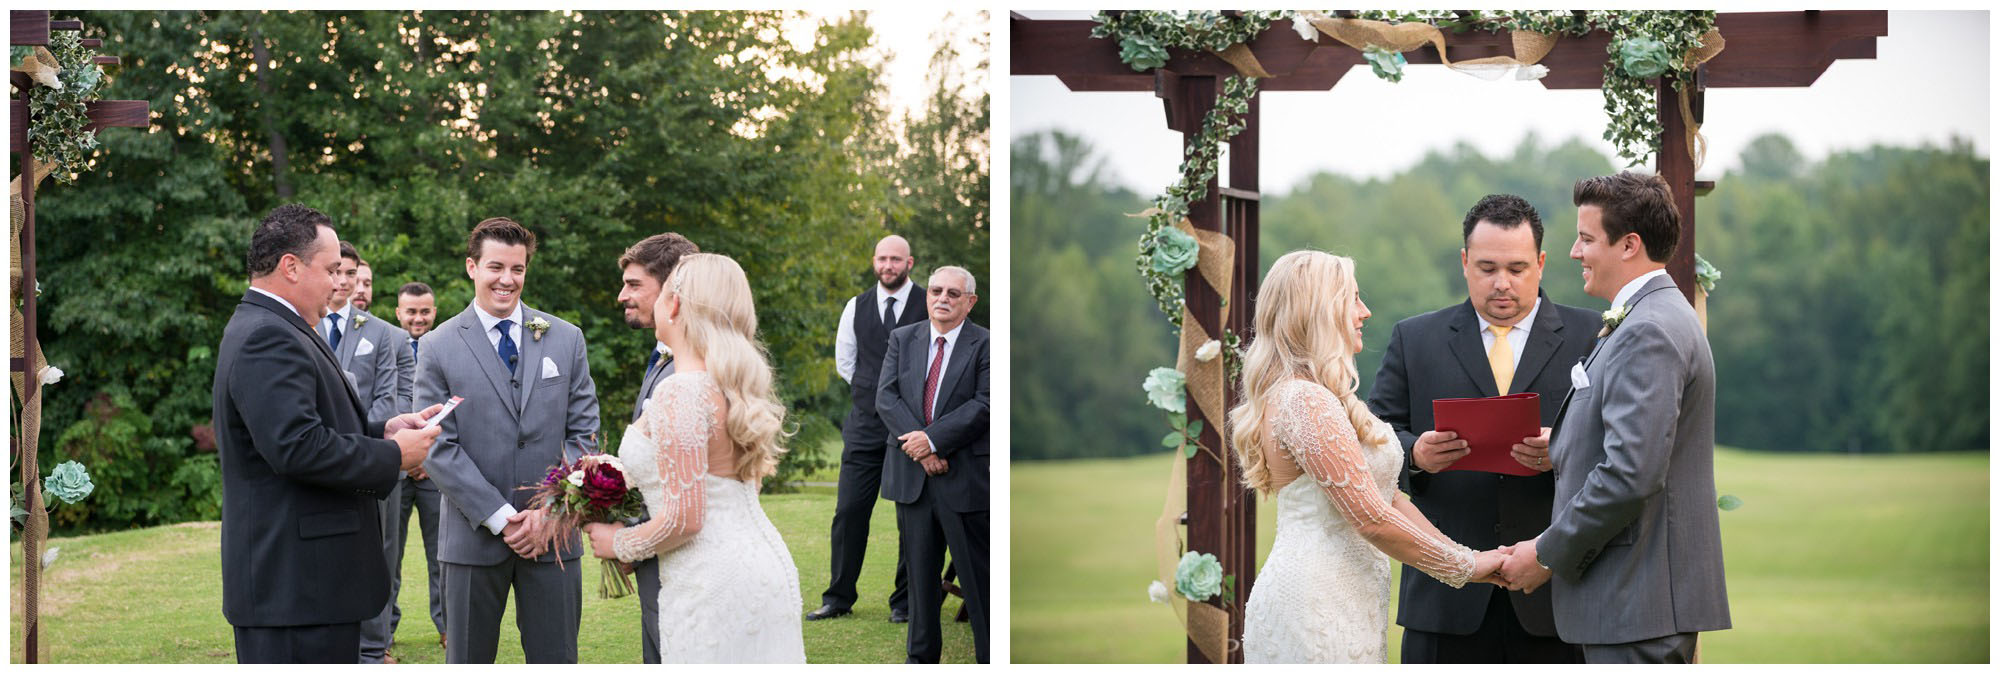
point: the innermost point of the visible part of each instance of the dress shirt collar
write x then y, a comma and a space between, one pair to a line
281, 300
1631, 288
487, 321
1524, 325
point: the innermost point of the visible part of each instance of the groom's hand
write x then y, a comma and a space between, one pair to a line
1523, 571
1437, 450
520, 533
916, 444
1533, 453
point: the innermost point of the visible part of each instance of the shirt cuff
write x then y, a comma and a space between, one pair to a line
498, 520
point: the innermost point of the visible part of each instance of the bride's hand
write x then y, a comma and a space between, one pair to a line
600, 538
1486, 566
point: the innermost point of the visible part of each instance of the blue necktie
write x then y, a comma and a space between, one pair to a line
333, 331
413, 348
508, 354
651, 358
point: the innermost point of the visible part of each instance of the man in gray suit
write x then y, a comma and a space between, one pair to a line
381, 374
1634, 544
645, 266
416, 310
529, 405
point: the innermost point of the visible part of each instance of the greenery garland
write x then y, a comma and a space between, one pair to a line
60, 118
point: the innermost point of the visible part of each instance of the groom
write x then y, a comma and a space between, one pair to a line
1634, 545
529, 404
644, 267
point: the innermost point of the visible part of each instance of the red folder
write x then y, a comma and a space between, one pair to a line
1491, 426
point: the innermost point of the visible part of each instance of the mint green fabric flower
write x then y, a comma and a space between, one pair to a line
1387, 64
1706, 274
1166, 388
1643, 57
69, 482
1199, 576
1174, 252
1142, 53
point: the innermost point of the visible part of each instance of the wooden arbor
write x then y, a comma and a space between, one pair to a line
30, 28
1765, 49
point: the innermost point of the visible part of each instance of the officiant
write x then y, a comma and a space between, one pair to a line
1507, 337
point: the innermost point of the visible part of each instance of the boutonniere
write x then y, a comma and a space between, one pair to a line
666, 354
1612, 318
539, 325
361, 319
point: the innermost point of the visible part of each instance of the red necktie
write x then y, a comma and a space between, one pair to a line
931, 382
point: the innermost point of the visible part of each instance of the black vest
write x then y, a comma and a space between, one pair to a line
871, 340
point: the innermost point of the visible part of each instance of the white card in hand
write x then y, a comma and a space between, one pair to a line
1577, 379
549, 368
364, 348
438, 418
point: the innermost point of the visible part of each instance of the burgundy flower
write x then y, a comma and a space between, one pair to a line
604, 486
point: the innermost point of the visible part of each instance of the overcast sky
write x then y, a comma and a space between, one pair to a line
1927, 83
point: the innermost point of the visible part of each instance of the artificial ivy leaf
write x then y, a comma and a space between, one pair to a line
1172, 440
1190, 451
1194, 429
1729, 502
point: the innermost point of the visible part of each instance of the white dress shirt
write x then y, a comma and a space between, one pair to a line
497, 521
844, 345
1517, 338
1631, 288
281, 300
931, 355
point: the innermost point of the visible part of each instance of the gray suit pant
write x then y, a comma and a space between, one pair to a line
1673, 649
648, 573
428, 504
378, 632
548, 605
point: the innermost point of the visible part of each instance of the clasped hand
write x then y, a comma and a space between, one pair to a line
917, 446
1510, 566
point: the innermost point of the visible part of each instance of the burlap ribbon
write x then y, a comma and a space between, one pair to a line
29, 431
42, 67
1711, 44
1529, 46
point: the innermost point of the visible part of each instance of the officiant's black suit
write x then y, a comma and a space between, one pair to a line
1440, 355
935, 512
302, 471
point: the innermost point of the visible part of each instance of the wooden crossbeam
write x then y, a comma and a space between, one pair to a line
103, 115
30, 27
70, 24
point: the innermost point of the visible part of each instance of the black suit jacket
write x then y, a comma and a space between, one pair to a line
958, 429
302, 470
1440, 355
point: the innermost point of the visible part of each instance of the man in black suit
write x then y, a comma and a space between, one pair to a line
1495, 343
643, 268
933, 398
302, 466
859, 342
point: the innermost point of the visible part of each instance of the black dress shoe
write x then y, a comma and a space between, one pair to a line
827, 611
897, 615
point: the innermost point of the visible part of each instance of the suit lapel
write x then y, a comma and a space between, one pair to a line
298, 323
472, 331
350, 339
1467, 345
955, 370
530, 369
916, 347
1543, 339
1653, 286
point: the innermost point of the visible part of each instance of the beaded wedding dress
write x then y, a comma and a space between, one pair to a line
1323, 594
730, 594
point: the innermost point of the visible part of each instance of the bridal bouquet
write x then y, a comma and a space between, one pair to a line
590, 489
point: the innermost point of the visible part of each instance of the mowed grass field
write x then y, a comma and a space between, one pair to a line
1831, 559
155, 596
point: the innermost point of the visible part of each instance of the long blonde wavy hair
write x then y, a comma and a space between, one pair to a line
1305, 313
720, 320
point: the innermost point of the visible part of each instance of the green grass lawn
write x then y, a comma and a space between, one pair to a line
155, 596
1869, 559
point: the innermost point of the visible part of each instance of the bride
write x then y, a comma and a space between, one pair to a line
728, 589
1300, 433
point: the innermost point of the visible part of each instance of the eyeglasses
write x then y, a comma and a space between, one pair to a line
953, 293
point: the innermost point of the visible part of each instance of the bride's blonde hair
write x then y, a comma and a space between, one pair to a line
1305, 312
720, 320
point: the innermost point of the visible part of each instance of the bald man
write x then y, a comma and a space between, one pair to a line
857, 353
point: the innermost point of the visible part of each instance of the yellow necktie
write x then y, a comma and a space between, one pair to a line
1501, 357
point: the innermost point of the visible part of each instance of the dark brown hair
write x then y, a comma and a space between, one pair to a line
288, 230
658, 254
1635, 203
503, 230
347, 251
1505, 211
414, 289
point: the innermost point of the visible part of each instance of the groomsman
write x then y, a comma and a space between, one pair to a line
863, 337
381, 374
529, 405
644, 267
416, 308
304, 462
1507, 337
933, 398
364, 286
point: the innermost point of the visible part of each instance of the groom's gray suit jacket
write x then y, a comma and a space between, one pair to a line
375, 357
509, 431
1634, 541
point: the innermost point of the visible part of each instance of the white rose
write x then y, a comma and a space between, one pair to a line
612, 461
576, 478
1304, 27
51, 374
1158, 592
1531, 72
1208, 351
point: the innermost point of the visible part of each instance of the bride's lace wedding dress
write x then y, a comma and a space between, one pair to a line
730, 593
1323, 594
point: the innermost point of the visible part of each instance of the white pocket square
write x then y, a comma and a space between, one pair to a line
1577, 379
364, 348
549, 368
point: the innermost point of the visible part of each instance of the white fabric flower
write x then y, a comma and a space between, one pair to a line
1158, 592
576, 478
1304, 27
50, 558
1531, 72
1208, 351
51, 374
